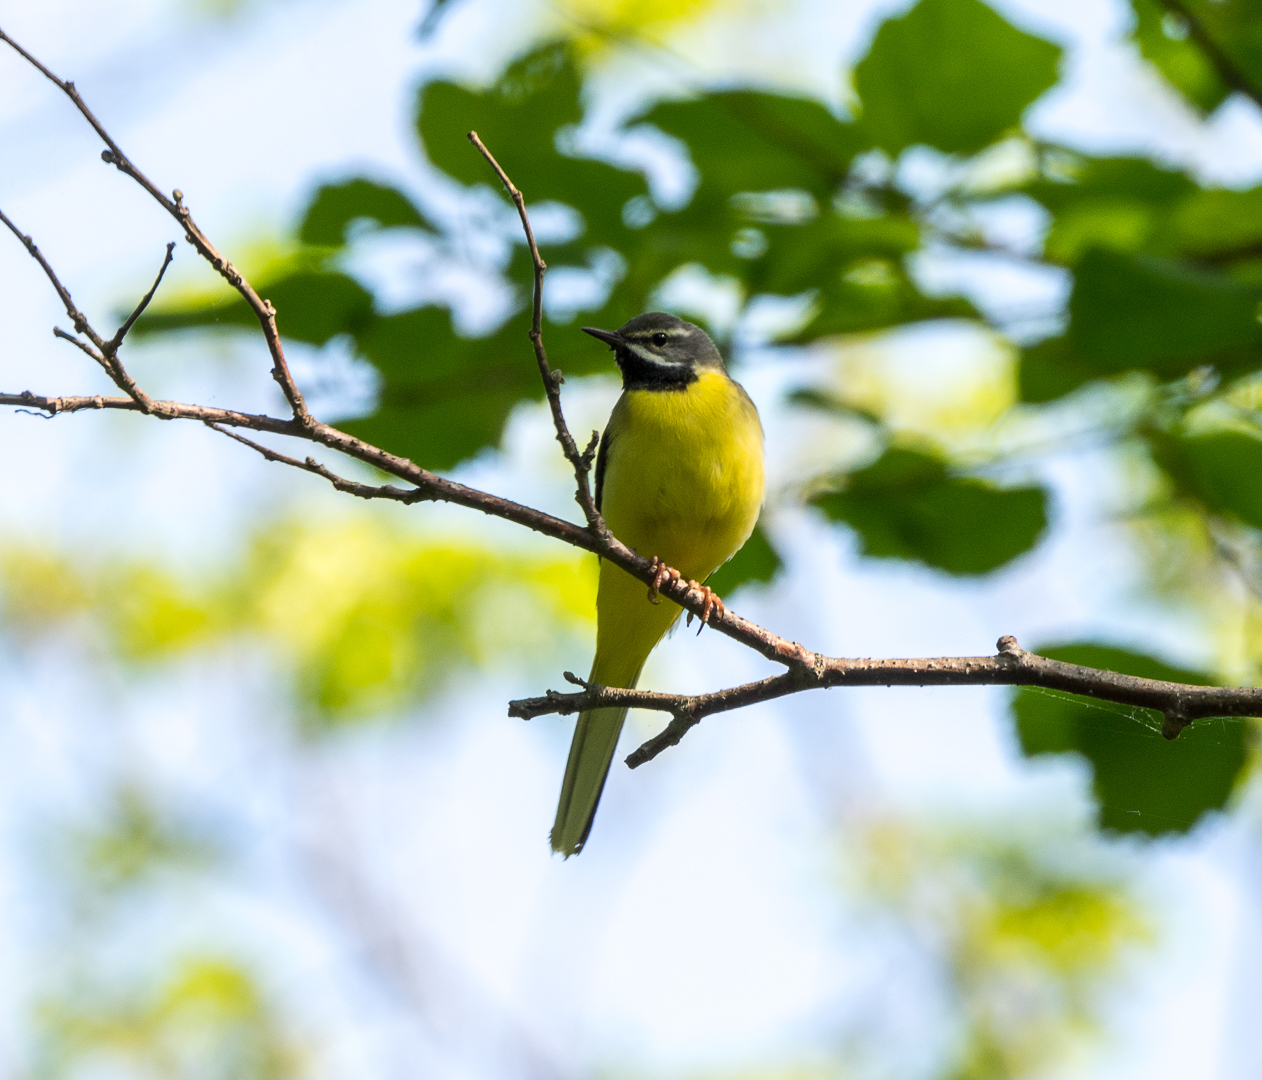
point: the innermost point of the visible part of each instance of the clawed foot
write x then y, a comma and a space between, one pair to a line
660, 573
711, 604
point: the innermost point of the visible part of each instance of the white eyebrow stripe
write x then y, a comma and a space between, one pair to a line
649, 357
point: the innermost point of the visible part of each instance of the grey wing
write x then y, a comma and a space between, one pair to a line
602, 455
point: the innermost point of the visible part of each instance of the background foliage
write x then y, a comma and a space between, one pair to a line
794, 202
820, 224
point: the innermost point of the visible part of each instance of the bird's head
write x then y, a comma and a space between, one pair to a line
656, 351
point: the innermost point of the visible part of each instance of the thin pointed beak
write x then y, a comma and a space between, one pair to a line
610, 338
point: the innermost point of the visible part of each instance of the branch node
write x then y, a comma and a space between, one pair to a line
1007, 646
574, 680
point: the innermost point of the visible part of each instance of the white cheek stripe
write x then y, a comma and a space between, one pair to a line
648, 357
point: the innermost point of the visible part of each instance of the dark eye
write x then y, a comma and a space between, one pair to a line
658, 339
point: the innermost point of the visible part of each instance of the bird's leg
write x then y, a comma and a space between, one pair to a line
660, 573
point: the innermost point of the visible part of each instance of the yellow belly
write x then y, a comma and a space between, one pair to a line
684, 482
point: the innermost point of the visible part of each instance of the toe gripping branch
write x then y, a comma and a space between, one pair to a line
663, 573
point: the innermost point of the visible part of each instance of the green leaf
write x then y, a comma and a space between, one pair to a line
802, 257
1119, 203
951, 74
518, 119
335, 207
741, 140
1218, 223
1164, 40
1140, 311
1142, 782
1221, 469
906, 506
1050, 370
1235, 28
445, 397
311, 306
756, 561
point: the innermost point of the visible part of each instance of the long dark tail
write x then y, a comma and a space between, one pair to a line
591, 754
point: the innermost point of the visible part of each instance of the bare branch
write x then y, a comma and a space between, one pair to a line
174, 206
552, 380
1180, 704
103, 352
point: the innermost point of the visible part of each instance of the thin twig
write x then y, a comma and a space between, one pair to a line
581, 460
112, 346
350, 487
174, 206
77, 318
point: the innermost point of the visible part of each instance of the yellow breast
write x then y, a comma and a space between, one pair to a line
684, 475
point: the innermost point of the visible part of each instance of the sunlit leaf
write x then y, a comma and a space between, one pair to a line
1142, 782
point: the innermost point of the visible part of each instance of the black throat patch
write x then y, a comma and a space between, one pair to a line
641, 374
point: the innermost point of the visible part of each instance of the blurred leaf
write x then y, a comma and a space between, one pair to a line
756, 561
368, 619
1050, 370
444, 397
311, 306
136, 840
1123, 204
951, 74
741, 140
1218, 223
210, 1020
1222, 470
872, 294
803, 257
335, 207
518, 119
1139, 311
1163, 39
1143, 783
1235, 27
906, 506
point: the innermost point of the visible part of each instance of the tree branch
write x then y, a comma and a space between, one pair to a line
806, 670
1179, 703
113, 155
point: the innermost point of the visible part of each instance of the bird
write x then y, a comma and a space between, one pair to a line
680, 479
